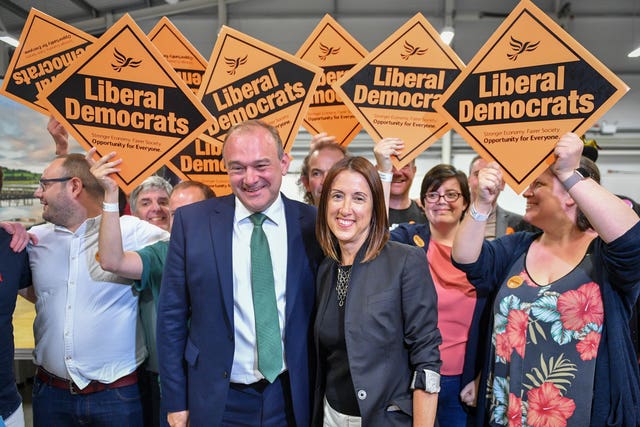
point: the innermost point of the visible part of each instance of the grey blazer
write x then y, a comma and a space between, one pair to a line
391, 331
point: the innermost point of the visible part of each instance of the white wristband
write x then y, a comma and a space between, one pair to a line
477, 216
110, 207
385, 176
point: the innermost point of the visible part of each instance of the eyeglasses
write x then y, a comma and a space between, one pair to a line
45, 181
449, 196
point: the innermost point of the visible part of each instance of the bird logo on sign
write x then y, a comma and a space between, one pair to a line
327, 51
521, 47
410, 50
123, 61
234, 63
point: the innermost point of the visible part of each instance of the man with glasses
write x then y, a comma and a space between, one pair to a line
88, 345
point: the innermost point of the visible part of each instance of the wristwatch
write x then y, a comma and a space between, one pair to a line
577, 176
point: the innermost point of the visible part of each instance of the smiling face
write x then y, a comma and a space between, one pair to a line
153, 206
442, 212
349, 211
402, 180
57, 203
320, 161
546, 201
255, 171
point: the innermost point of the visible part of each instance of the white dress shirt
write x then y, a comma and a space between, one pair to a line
245, 358
86, 326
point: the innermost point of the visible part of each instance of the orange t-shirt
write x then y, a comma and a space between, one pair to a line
456, 303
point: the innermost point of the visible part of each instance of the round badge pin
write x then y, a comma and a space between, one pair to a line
418, 241
515, 282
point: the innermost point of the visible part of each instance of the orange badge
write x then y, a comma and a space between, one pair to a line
515, 282
391, 91
249, 79
528, 85
123, 96
418, 241
331, 47
47, 47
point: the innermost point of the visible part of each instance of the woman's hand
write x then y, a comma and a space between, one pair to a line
383, 151
490, 184
568, 151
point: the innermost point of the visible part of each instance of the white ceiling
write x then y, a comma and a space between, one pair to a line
608, 29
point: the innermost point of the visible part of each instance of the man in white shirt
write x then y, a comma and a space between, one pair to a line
88, 343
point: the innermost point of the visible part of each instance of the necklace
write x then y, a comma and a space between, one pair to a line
342, 284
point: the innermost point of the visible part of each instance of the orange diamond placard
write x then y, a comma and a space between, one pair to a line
393, 89
123, 96
248, 79
179, 52
336, 51
528, 85
46, 48
192, 161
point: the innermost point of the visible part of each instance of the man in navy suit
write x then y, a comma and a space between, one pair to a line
206, 333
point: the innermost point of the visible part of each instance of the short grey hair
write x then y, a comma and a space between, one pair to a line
154, 182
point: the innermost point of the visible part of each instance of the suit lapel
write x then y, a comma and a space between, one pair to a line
294, 263
221, 228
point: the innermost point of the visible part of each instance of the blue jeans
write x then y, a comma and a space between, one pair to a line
450, 411
55, 407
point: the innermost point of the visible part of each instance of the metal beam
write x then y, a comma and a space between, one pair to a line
100, 24
14, 8
86, 7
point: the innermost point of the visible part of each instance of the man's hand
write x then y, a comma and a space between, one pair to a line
178, 419
383, 151
103, 169
321, 137
20, 238
60, 136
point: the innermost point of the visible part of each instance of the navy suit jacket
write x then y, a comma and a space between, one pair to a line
195, 331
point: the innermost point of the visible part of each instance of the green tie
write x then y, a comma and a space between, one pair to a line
264, 303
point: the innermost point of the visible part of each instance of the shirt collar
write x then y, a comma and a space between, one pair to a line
275, 212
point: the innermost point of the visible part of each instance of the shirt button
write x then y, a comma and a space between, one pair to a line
362, 395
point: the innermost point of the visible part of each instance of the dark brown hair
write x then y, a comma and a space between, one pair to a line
437, 175
581, 220
379, 227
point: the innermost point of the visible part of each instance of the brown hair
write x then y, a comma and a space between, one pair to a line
207, 192
76, 165
379, 227
304, 171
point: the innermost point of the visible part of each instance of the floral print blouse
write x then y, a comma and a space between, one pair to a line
543, 349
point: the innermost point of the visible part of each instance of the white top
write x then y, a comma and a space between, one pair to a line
86, 326
245, 358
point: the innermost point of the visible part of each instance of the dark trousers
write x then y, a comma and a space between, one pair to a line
260, 404
55, 407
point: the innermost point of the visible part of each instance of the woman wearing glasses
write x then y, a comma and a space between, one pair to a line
445, 197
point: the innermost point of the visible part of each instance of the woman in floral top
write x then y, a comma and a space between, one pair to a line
560, 351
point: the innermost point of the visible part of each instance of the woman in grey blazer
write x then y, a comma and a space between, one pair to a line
376, 329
